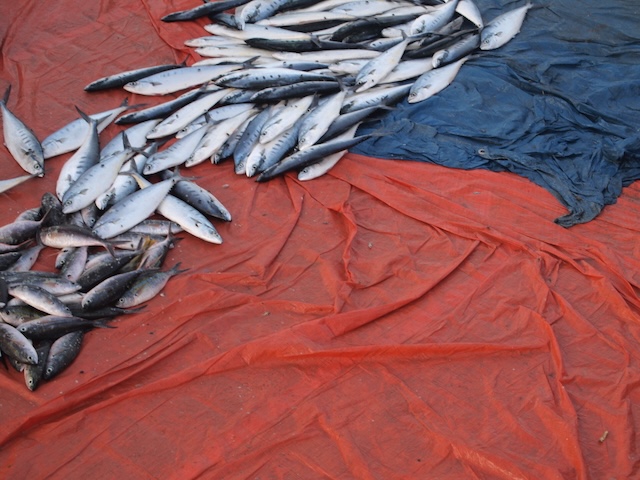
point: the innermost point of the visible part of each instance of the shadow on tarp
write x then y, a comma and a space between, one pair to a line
558, 105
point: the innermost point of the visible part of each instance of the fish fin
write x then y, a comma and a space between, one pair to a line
102, 323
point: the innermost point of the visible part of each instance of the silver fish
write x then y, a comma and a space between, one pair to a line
21, 141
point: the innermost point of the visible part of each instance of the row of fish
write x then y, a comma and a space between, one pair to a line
285, 84
44, 315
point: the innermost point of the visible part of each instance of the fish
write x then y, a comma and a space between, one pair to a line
147, 287
62, 236
87, 155
122, 78
132, 209
9, 183
71, 136
434, 81
503, 28
39, 298
178, 79
16, 345
62, 353
21, 142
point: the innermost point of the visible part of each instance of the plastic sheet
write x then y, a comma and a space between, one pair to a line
558, 105
389, 320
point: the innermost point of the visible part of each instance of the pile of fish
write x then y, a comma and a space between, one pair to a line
44, 315
284, 85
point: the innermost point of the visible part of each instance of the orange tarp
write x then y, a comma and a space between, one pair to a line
391, 319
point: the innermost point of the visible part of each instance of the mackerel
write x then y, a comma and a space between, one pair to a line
503, 28
131, 210
434, 81
71, 136
187, 114
84, 158
39, 298
199, 198
190, 219
21, 141
284, 118
16, 345
175, 155
216, 135
122, 78
178, 79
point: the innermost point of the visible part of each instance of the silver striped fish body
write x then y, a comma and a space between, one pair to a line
230, 145
250, 136
503, 28
284, 118
136, 136
462, 48
96, 180
62, 352
200, 198
40, 298
435, 19
27, 260
256, 31
348, 67
408, 69
273, 151
84, 158
318, 120
367, 8
225, 51
257, 10
379, 95
326, 56
74, 266
434, 81
377, 68
215, 137
190, 219
22, 143
254, 78
323, 166
147, 287
324, 5
133, 209
71, 136
124, 184
178, 79
193, 126
180, 119
178, 153
213, 41
301, 18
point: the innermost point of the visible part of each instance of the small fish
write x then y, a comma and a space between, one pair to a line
503, 28
21, 141
147, 287
434, 81
62, 353
39, 298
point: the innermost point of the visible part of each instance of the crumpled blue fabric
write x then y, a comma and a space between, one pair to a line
559, 104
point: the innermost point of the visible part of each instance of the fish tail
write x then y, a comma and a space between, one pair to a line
5, 99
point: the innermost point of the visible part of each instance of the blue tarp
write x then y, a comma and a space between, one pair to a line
559, 104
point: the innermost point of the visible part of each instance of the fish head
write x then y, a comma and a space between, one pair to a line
490, 41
